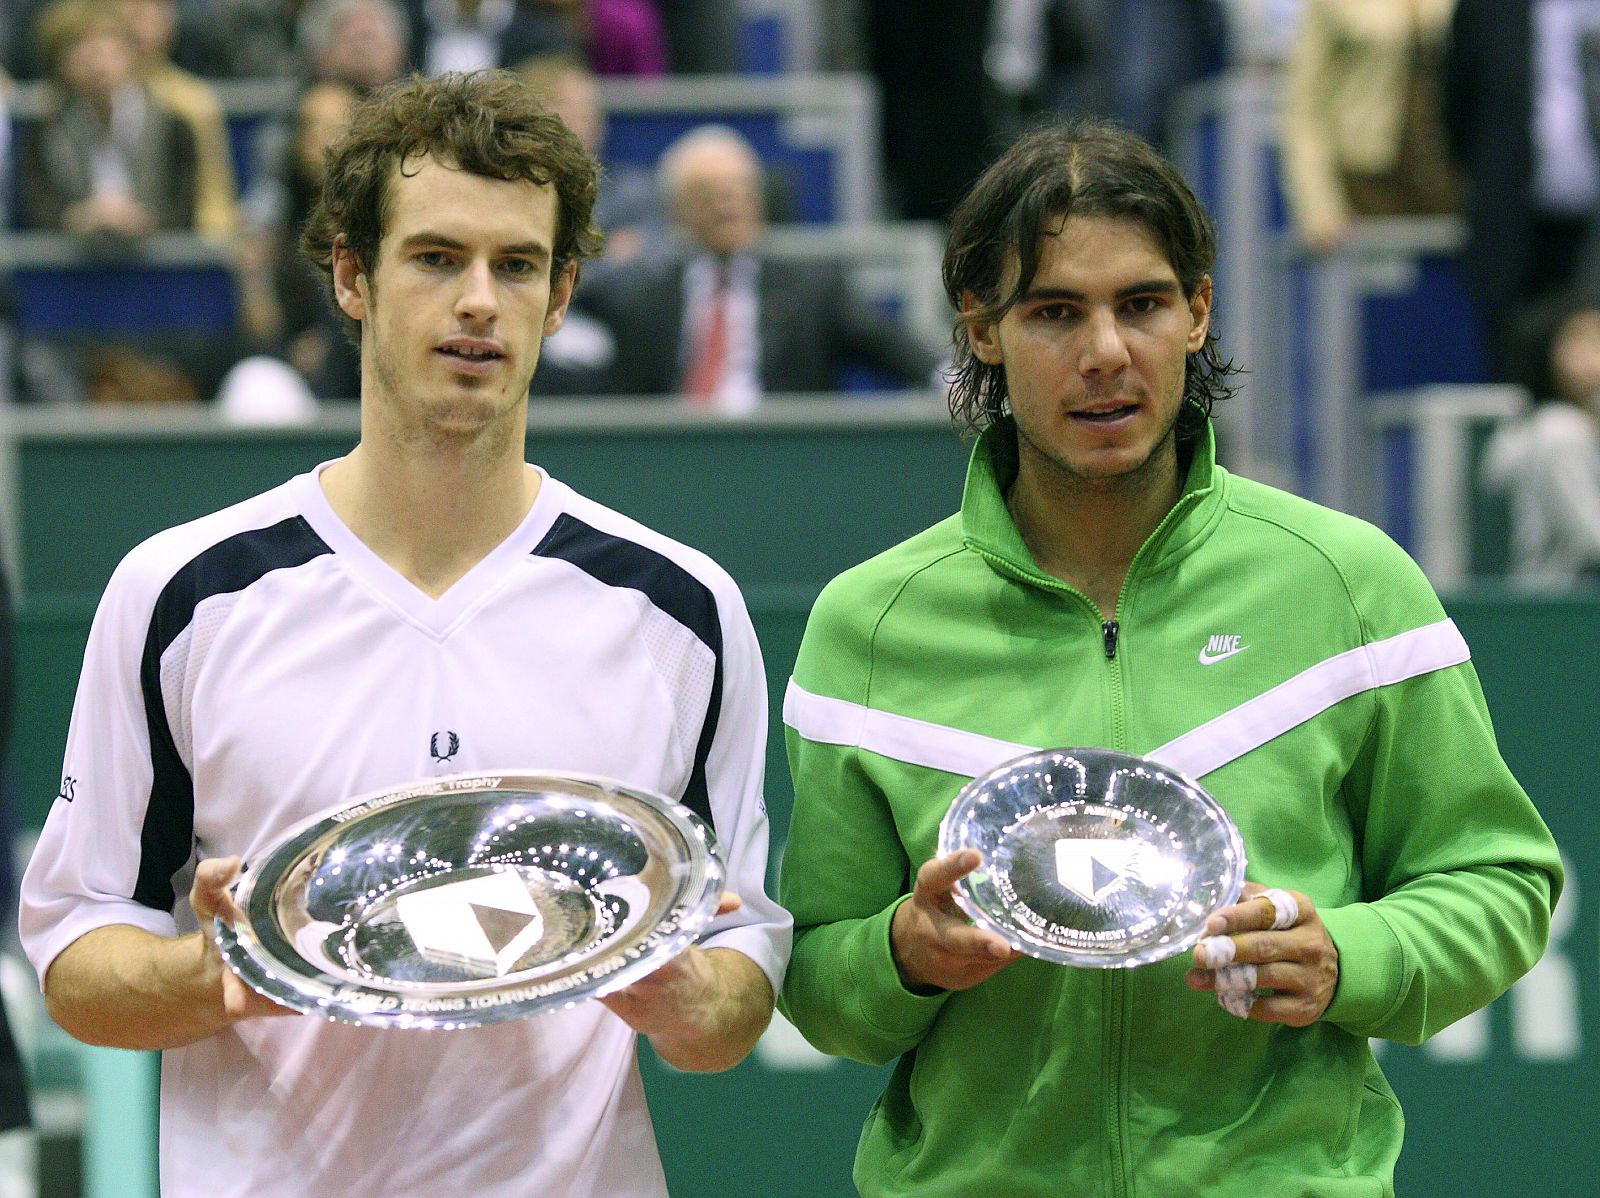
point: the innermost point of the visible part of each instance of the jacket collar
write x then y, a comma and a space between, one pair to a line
987, 527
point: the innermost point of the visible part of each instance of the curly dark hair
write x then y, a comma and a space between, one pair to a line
489, 123
1054, 171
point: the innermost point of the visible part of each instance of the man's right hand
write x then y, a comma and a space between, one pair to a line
935, 946
210, 899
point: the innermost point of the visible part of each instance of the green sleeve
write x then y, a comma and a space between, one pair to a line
1458, 871
845, 868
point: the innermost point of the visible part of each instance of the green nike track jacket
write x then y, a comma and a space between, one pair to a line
1295, 662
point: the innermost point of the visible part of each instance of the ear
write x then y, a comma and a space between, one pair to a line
982, 335
349, 282
1200, 311
560, 296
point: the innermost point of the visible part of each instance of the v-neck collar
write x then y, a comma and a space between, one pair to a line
436, 617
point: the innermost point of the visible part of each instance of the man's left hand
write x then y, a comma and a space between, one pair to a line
700, 1010
1298, 965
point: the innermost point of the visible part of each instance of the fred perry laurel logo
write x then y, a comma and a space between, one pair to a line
442, 746
1220, 647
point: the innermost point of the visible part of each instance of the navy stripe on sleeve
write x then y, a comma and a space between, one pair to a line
619, 562
167, 839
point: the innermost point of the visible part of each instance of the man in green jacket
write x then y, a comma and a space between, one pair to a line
1106, 583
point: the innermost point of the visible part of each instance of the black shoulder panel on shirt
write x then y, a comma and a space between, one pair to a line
167, 839
619, 562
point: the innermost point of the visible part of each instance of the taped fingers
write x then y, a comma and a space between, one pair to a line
1215, 951
1236, 1003
1285, 908
1236, 978
1236, 989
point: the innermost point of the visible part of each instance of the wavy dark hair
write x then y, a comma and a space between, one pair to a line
1052, 172
490, 123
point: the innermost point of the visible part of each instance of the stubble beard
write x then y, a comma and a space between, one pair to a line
1058, 474
458, 418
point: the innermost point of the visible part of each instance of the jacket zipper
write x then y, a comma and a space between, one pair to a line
1114, 985
1116, 989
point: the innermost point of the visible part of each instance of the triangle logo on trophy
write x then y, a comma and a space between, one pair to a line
486, 924
1092, 868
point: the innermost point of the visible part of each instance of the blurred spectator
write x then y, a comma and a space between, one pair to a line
240, 39
1362, 133
1517, 119
19, 38
5, 147
628, 210
574, 360
154, 24
1154, 49
283, 302
110, 164
470, 35
1548, 463
928, 56
350, 47
107, 160
1048, 55
356, 45
8, 305
619, 37
1125, 60
364, 43
719, 322
702, 36
1261, 33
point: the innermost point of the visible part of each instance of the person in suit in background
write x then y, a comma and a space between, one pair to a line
1517, 118
722, 323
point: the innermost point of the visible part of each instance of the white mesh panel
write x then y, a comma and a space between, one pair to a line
180, 666
686, 667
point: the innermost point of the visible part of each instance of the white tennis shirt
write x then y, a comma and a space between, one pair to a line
259, 666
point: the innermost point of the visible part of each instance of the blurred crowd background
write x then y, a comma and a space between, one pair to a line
776, 172
158, 156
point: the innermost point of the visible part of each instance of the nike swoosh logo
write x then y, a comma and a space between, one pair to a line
1209, 659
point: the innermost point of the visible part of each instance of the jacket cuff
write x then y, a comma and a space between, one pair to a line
1371, 963
884, 1002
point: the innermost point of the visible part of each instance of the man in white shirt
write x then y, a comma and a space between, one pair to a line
429, 603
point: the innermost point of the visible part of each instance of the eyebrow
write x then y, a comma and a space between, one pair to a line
529, 249
1144, 287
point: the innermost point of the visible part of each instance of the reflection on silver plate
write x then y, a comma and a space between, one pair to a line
468, 900
1093, 857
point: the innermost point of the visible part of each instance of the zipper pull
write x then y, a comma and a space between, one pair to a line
1108, 632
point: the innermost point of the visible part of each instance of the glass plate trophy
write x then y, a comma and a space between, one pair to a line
469, 900
1093, 857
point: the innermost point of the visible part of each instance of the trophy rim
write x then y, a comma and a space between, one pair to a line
292, 980
1020, 939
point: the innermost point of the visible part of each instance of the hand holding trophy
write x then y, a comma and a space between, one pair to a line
1092, 857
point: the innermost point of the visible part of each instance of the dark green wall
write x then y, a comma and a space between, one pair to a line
784, 504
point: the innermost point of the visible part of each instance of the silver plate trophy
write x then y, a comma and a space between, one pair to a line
1093, 857
469, 900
